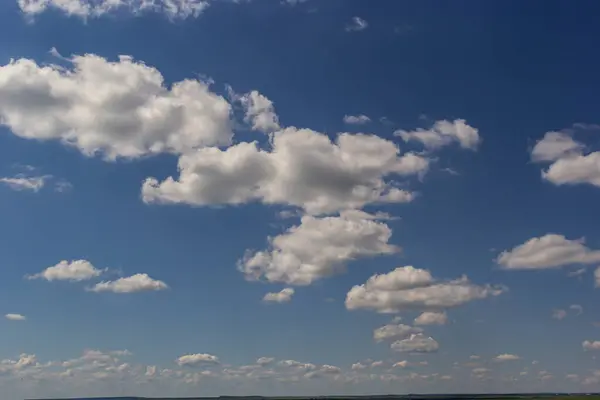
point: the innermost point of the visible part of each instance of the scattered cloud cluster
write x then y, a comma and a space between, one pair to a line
444, 133
174, 9
409, 288
570, 161
123, 109
117, 369
591, 345
30, 181
83, 270
562, 313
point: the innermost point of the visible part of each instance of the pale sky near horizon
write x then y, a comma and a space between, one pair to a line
299, 197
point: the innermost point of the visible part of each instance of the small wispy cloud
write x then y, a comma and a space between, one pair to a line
451, 171
21, 182
284, 296
357, 24
31, 181
559, 314
15, 317
356, 119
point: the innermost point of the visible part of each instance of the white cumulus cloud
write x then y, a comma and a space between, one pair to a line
591, 344
131, 284
15, 317
400, 364
568, 162
197, 359
506, 357
431, 318
358, 366
114, 108
284, 296
265, 360
304, 168
317, 248
260, 112
443, 133
356, 119
76, 271
394, 331
555, 145
399, 290
548, 251
417, 343
575, 170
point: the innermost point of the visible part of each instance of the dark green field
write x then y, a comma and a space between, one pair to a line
387, 397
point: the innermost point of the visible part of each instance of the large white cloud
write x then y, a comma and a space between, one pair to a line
175, 9
397, 291
417, 343
78, 270
443, 133
303, 168
131, 284
115, 108
317, 248
548, 251
569, 164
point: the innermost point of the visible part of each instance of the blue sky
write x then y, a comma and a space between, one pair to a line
396, 149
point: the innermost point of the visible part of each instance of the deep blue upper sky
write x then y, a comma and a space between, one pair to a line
512, 70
